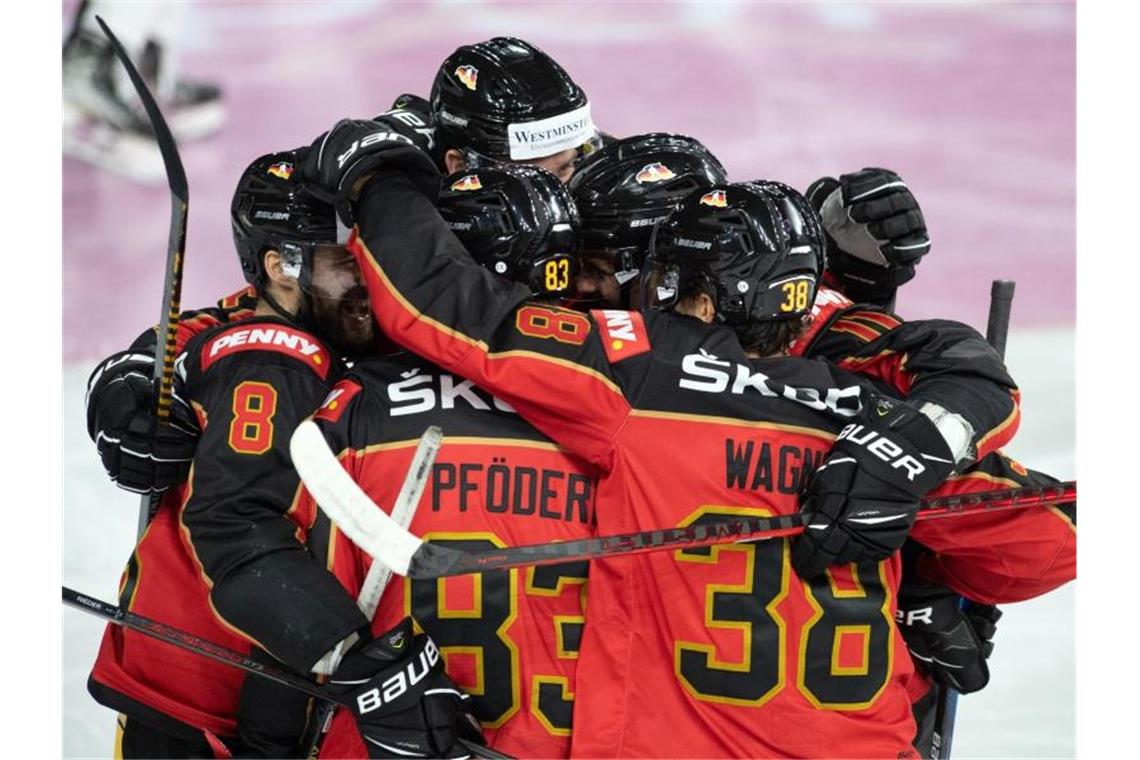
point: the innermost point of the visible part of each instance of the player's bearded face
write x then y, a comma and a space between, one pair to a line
340, 305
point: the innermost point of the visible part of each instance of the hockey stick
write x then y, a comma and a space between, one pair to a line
172, 288
403, 512
997, 330
376, 533
190, 642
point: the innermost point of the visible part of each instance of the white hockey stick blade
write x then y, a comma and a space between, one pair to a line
403, 512
357, 516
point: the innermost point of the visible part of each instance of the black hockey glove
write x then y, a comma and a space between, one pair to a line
863, 499
139, 454
415, 112
876, 233
404, 704
948, 642
340, 159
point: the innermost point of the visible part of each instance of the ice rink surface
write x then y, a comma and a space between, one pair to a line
972, 103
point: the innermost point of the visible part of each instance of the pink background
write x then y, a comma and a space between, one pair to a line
974, 105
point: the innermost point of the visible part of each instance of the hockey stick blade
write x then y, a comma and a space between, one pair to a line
219, 653
346, 504
175, 254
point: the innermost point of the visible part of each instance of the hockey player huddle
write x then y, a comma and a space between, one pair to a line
613, 338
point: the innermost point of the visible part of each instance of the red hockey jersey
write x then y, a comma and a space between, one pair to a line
510, 639
721, 651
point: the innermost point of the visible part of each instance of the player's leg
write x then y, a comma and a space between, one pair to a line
135, 739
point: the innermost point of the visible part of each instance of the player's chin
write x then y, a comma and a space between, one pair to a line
357, 330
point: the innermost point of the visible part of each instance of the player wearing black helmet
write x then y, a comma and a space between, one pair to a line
232, 560
680, 419
622, 191
504, 100
517, 221
496, 481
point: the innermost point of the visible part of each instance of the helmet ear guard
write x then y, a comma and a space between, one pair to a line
272, 209
630, 185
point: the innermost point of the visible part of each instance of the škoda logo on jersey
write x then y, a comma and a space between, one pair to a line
277, 338
337, 401
624, 333
715, 198
656, 172
470, 182
469, 75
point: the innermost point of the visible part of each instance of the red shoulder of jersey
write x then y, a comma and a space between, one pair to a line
337, 401
269, 336
243, 300
623, 333
827, 302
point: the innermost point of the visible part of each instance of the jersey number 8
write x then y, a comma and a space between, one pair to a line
251, 429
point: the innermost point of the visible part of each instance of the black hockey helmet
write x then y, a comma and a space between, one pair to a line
506, 100
517, 221
271, 208
629, 185
757, 247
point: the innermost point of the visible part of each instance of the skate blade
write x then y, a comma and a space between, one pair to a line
187, 124
131, 156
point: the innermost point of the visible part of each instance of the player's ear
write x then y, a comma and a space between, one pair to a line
706, 309
453, 161
699, 305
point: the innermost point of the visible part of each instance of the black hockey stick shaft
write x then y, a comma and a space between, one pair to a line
432, 561
175, 252
997, 330
1001, 300
198, 645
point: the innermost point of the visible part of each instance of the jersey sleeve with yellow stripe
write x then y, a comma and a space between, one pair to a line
427, 292
999, 557
934, 360
251, 384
